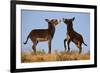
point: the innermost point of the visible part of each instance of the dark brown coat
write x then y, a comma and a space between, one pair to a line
72, 35
39, 35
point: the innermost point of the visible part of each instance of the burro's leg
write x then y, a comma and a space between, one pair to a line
68, 43
49, 45
65, 43
79, 45
34, 46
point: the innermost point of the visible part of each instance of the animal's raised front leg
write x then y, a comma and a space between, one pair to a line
49, 44
65, 43
68, 45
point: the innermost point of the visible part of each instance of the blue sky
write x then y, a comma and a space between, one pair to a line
31, 19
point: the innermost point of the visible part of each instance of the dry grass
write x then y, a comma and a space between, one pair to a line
41, 56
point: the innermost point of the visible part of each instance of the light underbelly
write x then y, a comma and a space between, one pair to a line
41, 39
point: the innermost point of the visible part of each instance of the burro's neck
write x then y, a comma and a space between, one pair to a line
51, 30
70, 28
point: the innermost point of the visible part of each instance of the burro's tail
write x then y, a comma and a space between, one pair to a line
26, 40
84, 43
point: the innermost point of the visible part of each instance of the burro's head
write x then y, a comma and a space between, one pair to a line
53, 22
68, 21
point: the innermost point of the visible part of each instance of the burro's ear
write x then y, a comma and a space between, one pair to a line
73, 18
47, 20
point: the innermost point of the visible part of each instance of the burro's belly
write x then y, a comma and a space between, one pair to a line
41, 39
